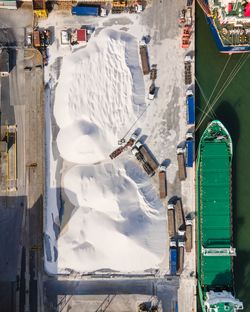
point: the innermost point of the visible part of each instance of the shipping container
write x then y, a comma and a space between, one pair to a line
189, 153
86, 10
173, 258
190, 107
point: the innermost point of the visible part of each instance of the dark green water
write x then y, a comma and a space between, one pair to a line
233, 109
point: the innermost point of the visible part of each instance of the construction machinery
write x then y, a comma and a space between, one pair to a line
122, 148
39, 8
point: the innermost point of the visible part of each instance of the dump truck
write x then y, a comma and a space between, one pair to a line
36, 39
148, 169
187, 68
86, 10
146, 166
181, 245
144, 59
173, 257
181, 164
151, 93
188, 243
12, 161
171, 221
188, 16
163, 181
182, 16
147, 156
189, 151
190, 107
153, 72
179, 217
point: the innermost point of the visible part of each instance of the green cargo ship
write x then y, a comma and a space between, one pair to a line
215, 251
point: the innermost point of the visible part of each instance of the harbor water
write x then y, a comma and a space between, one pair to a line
230, 103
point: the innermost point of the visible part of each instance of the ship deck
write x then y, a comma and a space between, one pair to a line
215, 212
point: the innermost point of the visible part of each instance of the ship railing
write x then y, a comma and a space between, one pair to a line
218, 251
204, 6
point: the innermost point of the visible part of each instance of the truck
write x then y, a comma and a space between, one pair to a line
171, 222
187, 68
36, 39
190, 107
181, 164
86, 10
181, 245
151, 92
153, 72
65, 39
147, 156
173, 257
189, 151
163, 181
146, 166
179, 217
188, 243
188, 16
11, 165
148, 169
144, 59
131, 141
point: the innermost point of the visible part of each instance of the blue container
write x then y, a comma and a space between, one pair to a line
189, 153
173, 260
190, 110
85, 10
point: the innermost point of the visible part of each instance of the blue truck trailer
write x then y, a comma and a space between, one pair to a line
86, 10
173, 258
190, 107
189, 150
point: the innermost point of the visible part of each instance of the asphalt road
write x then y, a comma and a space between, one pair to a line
165, 290
21, 211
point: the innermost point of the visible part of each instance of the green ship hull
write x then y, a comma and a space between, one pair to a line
213, 192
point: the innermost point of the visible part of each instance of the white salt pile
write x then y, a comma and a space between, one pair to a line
118, 222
